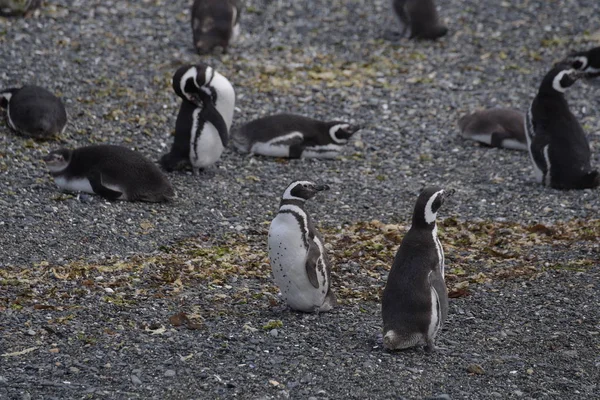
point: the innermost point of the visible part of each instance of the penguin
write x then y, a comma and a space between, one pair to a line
558, 146
204, 119
293, 136
415, 299
9, 8
215, 24
496, 127
586, 61
34, 111
113, 172
297, 254
418, 19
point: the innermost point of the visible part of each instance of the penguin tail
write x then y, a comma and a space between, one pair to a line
239, 141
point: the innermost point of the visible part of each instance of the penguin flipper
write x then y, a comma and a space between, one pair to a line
312, 260
95, 179
296, 150
210, 114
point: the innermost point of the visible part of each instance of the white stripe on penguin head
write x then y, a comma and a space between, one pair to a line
556, 81
287, 195
190, 73
430, 216
333, 130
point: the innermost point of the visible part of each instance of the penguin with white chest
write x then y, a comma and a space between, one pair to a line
204, 119
415, 299
113, 172
417, 19
34, 111
558, 146
496, 127
215, 24
292, 136
297, 253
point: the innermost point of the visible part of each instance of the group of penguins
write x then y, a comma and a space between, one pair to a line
415, 298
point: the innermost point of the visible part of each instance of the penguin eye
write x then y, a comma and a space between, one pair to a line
578, 64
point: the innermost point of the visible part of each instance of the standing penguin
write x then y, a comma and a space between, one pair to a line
215, 23
496, 127
204, 119
297, 253
558, 146
293, 136
418, 19
586, 61
18, 7
415, 298
34, 111
113, 172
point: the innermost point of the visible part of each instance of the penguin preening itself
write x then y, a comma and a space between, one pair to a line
34, 111
113, 172
293, 136
297, 253
18, 7
558, 146
415, 299
204, 119
418, 19
586, 61
496, 127
215, 23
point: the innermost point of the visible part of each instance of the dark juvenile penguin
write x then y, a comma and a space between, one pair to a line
113, 172
586, 61
558, 146
204, 119
297, 253
496, 127
293, 136
418, 19
415, 298
18, 7
215, 23
33, 111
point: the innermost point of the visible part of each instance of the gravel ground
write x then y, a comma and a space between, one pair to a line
111, 63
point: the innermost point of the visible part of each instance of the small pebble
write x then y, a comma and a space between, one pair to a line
169, 373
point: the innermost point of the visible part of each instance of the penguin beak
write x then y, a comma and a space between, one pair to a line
320, 188
449, 193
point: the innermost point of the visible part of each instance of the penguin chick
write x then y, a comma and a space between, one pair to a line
418, 19
113, 172
10, 8
297, 254
496, 127
215, 23
558, 146
293, 136
33, 111
586, 61
415, 298
204, 119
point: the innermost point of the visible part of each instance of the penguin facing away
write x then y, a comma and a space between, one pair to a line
33, 111
586, 61
297, 254
558, 146
293, 136
415, 299
215, 24
113, 172
10, 8
496, 127
204, 118
418, 19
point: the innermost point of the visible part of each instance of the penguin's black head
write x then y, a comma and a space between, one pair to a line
58, 160
429, 202
191, 80
302, 190
560, 78
586, 61
340, 132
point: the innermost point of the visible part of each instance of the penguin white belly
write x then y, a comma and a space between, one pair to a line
434, 323
278, 146
287, 253
208, 149
83, 185
325, 151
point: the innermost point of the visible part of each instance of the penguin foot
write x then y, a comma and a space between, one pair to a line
392, 36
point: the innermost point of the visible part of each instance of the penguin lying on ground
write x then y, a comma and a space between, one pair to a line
204, 119
215, 23
18, 7
297, 253
293, 136
586, 61
418, 19
34, 111
558, 146
496, 127
415, 299
113, 172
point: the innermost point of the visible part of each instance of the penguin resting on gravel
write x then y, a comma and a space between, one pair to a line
496, 127
297, 253
33, 111
415, 299
586, 61
204, 119
113, 172
10, 8
418, 19
293, 136
558, 146
215, 24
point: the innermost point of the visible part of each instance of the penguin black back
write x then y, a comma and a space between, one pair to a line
214, 24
